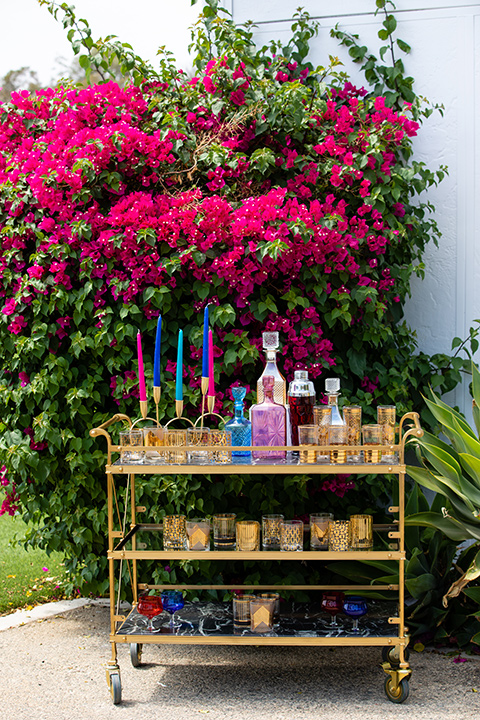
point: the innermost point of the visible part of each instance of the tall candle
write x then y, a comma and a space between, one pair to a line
211, 379
205, 343
179, 382
141, 374
156, 362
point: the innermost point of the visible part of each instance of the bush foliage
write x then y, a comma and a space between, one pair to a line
276, 191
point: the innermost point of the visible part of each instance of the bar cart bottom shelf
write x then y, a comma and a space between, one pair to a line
210, 623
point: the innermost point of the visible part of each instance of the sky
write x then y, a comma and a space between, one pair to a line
32, 37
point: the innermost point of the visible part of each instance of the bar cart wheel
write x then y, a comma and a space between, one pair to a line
136, 654
115, 685
399, 693
392, 655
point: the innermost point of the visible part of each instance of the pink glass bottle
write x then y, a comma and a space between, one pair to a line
268, 423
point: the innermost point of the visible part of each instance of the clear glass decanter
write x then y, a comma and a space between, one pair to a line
301, 399
239, 426
332, 390
270, 346
268, 423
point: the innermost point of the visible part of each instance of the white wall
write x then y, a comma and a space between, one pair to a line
445, 62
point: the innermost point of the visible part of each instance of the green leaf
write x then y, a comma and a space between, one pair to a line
449, 527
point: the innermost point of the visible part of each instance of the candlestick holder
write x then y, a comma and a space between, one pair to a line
157, 391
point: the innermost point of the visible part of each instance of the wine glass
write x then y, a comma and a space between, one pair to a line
173, 601
332, 603
150, 606
355, 607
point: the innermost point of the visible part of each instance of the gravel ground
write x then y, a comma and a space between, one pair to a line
54, 669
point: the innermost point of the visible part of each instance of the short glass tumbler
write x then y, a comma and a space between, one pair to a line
175, 442
174, 532
198, 534
361, 532
271, 531
222, 440
154, 438
224, 531
248, 535
134, 439
197, 437
339, 535
337, 435
307, 435
241, 611
372, 435
261, 614
291, 535
319, 530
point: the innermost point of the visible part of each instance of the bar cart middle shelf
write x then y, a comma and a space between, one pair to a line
211, 623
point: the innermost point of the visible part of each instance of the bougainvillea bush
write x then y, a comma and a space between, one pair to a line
278, 193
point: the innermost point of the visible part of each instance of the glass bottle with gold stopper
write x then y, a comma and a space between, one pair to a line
332, 391
270, 346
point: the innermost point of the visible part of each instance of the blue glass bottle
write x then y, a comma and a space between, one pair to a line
239, 426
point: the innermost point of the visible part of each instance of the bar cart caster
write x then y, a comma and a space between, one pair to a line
391, 655
114, 683
396, 686
136, 654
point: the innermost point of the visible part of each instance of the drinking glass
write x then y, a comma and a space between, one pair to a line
261, 614
241, 611
337, 435
224, 531
271, 531
355, 607
248, 535
319, 530
322, 418
222, 440
332, 603
197, 437
150, 606
291, 535
198, 533
307, 435
174, 532
339, 535
361, 532
352, 414
173, 601
175, 441
153, 438
132, 438
372, 435
386, 416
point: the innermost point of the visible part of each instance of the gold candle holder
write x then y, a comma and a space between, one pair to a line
337, 435
322, 418
352, 414
291, 535
198, 534
248, 535
372, 435
261, 614
339, 535
174, 532
361, 532
319, 524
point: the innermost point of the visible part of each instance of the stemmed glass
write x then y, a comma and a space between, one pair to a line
173, 601
332, 603
355, 607
150, 606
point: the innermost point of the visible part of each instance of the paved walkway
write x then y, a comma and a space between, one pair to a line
53, 668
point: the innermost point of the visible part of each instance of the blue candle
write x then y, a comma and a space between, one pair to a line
179, 383
156, 363
205, 343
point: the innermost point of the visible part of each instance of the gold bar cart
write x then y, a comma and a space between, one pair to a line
124, 548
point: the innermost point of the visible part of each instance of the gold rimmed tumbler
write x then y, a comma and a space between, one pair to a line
386, 417
319, 524
175, 440
372, 435
322, 418
248, 535
352, 415
337, 435
361, 532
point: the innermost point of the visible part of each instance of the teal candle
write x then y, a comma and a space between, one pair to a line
179, 382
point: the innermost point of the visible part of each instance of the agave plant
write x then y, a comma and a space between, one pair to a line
452, 469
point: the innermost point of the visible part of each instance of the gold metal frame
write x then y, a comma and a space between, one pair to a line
118, 539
